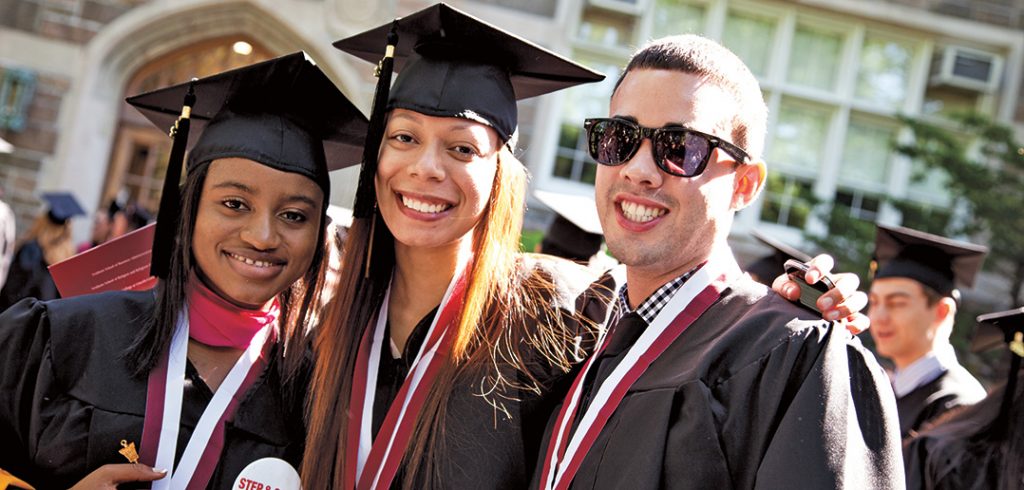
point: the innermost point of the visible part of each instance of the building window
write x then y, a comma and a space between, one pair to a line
16, 89
884, 76
788, 200
860, 205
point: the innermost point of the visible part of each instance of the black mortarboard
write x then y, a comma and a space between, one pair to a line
768, 267
575, 233
1003, 329
284, 113
932, 260
62, 206
452, 64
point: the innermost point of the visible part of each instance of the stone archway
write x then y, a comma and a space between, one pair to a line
152, 31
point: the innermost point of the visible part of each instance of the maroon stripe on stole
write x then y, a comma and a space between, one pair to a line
153, 421
694, 310
355, 407
211, 455
376, 458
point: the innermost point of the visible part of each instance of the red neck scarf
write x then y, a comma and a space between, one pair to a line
214, 321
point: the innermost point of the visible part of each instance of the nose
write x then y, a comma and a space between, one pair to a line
260, 231
428, 164
641, 169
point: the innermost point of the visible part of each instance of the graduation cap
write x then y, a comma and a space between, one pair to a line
932, 260
1003, 329
575, 233
768, 267
452, 64
62, 206
284, 113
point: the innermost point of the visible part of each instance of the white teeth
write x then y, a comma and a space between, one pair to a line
640, 213
257, 263
423, 207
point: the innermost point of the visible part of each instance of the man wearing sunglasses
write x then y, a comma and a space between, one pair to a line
706, 379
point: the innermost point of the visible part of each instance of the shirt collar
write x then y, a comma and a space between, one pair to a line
924, 370
650, 307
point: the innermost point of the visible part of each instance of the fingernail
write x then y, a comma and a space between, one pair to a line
812, 277
826, 303
832, 316
160, 472
791, 290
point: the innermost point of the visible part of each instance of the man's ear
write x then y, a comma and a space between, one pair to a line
748, 183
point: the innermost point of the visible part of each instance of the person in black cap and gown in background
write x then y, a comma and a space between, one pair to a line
979, 446
575, 231
765, 269
913, 302
47, 242
203, 376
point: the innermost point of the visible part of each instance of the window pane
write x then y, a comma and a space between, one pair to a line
814, 61
674, 17
884, 71
930, 182
571, 160
866, 153
799, 136
750, 37
607, 28
788, 200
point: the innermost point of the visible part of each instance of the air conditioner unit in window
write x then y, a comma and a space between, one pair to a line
635, 7
967, 68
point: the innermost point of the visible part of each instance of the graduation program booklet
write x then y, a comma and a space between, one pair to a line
121, 264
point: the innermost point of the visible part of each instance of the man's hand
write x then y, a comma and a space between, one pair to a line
109, 476
842, 303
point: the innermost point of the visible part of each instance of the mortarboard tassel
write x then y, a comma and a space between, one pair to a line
366, 194
169, 213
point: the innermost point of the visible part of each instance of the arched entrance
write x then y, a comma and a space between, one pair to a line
138, 159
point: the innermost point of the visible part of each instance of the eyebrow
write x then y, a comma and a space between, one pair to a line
231, 184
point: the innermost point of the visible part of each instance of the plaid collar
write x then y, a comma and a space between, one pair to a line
656, 302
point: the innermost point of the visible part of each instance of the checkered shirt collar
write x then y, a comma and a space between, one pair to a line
656, 302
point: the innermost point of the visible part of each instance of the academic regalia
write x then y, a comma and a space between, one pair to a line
766, 269
68, 402
953, 388
980, 446
939, 264
29, 276
753, 394
74, 398
451, 64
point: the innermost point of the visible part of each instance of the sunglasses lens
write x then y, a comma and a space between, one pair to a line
681, 152
612, 142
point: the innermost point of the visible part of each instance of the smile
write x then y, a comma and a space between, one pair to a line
248, 261
638, 213
423, 206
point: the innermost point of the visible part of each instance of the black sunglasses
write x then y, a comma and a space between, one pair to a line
677, 150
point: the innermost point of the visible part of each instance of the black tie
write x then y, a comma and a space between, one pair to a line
624, 334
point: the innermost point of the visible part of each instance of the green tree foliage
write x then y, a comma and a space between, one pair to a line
985, 164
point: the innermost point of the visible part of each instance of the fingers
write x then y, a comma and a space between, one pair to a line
787, 288
108, 476
843, 300
819, 266
857, 323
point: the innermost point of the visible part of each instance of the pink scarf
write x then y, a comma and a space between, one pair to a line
214, 321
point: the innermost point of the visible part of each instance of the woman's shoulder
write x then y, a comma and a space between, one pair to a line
566, 281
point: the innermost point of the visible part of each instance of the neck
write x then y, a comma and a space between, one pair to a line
212, 363
421, 277
644, 281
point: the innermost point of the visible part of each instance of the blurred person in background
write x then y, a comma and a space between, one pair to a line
913, 302
7, 237
47, 242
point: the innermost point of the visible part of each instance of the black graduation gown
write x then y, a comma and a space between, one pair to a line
27, 277
492, 442
953, 388
68, 399
964, 450
752, 395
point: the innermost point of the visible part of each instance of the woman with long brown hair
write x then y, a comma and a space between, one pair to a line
434, 363
47, 242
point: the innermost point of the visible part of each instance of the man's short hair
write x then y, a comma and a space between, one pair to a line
713, 62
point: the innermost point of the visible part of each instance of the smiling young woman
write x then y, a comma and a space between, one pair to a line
201, 375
